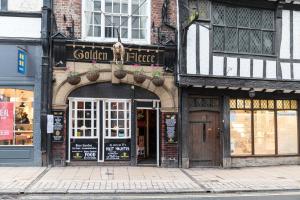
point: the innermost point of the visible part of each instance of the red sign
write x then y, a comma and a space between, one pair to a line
6, 120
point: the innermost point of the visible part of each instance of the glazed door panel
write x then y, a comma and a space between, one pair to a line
204, 139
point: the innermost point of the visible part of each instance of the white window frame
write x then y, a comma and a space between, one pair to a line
125, 110
147, 39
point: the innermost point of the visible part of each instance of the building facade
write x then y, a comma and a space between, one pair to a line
114, 95
20, 82
239, 82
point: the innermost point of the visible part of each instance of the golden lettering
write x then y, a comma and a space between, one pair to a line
87, 55
78, 54
152, 58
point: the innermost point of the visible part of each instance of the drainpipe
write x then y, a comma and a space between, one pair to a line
45, 77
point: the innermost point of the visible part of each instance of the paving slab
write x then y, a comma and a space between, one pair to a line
95, 179
14, 180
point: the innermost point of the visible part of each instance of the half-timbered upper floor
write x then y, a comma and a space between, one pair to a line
253, 44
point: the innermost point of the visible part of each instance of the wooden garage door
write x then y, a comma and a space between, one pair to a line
204, 138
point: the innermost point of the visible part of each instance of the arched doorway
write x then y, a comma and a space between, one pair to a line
113, 123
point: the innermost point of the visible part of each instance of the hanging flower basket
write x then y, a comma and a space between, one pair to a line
120, 73
139, 78
93, 75
158, 81
73, 78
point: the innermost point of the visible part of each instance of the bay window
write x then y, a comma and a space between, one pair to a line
105, 19
255, 125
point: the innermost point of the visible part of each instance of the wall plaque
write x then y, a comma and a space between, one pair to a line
117, 150
58, 126
170, 125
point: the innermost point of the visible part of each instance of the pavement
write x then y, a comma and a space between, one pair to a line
141, 180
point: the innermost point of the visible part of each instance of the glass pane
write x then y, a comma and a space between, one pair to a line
264, 133
79, 133
135, 7
218, 36
113, 106
88, 133
135, 22
97, 5
121, 133
124, 33
80, 124
287, 132
243, 17
79, 114
286, 104
142, 33
108, 31
88, 114
117, 6
121, 124
113, 114
113, 124
232, 103
293, 104
255, 18
97, 32
121, 115
88, 18
143, 22
106, 132
88, 123
231, 16
108, 6
124, 21
271, 104
116, 21
124, 7
268, 19
279, 104
240, 132
240, 103
218, 14
80, 105
244, 41
255, 41
97, 18
268, 41
248, 103
264, 104
113, 132
231, 42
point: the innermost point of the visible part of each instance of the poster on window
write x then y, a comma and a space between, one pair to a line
84, 150
6, 120
117, 150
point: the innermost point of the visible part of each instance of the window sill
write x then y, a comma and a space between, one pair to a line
16, 146
111, 40
35, 14
266, 156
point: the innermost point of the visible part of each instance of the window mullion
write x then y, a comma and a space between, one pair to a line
129, 19
103, 18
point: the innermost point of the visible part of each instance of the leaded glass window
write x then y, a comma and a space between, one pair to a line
202, 7
243, 30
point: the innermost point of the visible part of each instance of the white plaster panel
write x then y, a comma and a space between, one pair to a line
204, 50
191, 50
25, 5
296, 67
285, 70
218, 66
296, 34
231, 66
24, 27
244, 67
258, 68
285, 50
270, 69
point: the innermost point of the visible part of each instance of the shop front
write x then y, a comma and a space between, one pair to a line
235, 128
20, 135
113, 120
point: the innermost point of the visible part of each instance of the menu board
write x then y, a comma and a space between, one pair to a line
84, 150
170, 122
117, 150
58, 126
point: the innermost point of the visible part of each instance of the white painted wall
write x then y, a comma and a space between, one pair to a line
296, 34
271, 69
296, 67
204, 50
218, 65
25, 5
258, 68
231, 66
191, 50
20, 27
285, 50
244, 67
285, 70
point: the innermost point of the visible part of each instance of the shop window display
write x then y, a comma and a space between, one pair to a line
16, 113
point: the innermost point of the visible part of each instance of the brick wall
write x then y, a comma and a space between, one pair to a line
169, 151
66, 10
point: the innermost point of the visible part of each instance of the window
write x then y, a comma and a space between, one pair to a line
243, 30
117, 119
16, 117
21, 5
84, 121
202, 7
104, 19
271, 119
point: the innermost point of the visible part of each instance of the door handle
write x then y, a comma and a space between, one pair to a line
204, 133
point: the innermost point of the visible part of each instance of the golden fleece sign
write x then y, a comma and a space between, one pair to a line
117, 53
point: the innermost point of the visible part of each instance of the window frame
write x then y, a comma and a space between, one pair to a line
126, 119
275, 109
102, 38
239, 28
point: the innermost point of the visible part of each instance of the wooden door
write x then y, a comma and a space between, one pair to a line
204, 138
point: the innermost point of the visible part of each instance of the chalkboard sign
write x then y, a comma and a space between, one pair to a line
84, 149
170, 122
117, 150
58, 126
